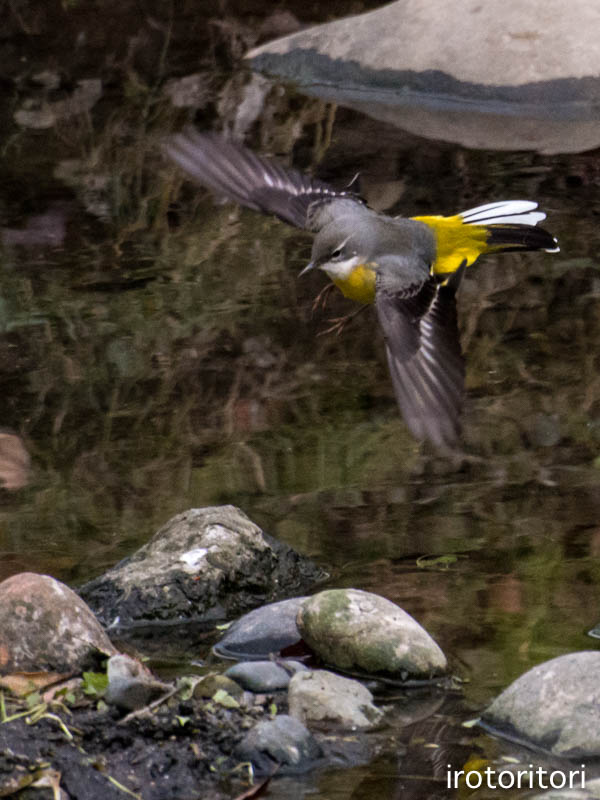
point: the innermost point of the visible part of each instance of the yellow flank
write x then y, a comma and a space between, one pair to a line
456, 242
359, 285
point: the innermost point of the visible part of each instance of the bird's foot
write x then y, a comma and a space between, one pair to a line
320, 300
339, 323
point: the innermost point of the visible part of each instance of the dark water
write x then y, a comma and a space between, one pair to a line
158, 352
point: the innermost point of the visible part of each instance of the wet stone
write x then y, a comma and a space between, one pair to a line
130, 684
264, 676
423, 41
319, 695
210, 684
555, 706
262, 632
396, 62
360, 631
204, 565
283, 742
45, 626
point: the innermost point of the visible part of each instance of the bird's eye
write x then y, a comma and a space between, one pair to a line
336, 253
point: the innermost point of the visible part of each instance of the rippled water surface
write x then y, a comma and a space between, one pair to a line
157, 352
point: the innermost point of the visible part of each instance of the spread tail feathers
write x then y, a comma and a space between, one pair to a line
520, 237
511, 226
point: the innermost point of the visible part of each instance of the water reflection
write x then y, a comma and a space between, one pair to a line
172, 368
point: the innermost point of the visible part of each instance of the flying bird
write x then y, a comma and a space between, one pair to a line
409, 268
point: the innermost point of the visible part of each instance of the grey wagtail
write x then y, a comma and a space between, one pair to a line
410, 268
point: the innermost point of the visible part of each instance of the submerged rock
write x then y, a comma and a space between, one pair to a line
282, 742
46, 627
262, 632
206, 564
319, 695
360, 631
555, 706
264, 676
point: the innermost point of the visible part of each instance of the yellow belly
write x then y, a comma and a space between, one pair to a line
359, 285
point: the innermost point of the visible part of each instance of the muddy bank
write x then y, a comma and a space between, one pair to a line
181, 751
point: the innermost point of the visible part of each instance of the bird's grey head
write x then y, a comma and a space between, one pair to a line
339, 247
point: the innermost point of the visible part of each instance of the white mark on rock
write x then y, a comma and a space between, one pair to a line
193, 558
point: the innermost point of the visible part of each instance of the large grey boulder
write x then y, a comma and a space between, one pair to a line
555, 706
203, 565
483, 74
360, 631
46, 627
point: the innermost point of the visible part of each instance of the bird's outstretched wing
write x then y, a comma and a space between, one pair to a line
424, 355
258, 183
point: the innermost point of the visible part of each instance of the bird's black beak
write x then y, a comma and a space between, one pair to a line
307, 268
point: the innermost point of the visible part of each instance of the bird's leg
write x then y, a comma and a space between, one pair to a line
339, 323
321, 298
